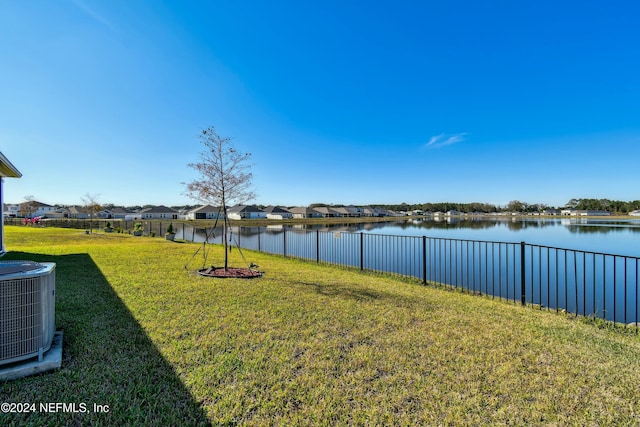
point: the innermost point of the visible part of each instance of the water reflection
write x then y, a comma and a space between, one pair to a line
515, 224
593, 226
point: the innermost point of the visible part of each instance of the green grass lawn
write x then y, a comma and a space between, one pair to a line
305, 345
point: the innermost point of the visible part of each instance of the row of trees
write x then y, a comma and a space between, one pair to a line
613, 206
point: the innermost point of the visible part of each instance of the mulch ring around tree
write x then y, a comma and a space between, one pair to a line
231, 272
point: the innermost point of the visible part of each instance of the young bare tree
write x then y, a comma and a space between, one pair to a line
29, 207
224, 177
92, 206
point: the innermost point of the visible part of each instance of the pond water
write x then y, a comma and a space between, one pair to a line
620, 237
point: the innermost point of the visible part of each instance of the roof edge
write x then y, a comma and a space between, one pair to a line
7, 169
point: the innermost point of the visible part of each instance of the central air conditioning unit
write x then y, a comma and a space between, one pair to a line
27, 309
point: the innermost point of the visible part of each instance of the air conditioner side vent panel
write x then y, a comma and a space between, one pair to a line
27, 313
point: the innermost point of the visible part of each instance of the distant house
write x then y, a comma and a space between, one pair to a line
114, 213
391, 213
245, 212
276, 212
635, 213
7, 170
302, 212
551, 212
594, 213
77, 212
59, 213
328, 212
375, 212
355, 210
133, 216
205, 212
34, 208
119, 213
348, 211
159, 212
576, 212
369, 212
11, 211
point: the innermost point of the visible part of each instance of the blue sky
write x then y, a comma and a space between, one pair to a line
338, 101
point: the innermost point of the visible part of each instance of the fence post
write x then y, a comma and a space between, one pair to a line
522, 274
361, 251
284, 242
318, 246
424, 260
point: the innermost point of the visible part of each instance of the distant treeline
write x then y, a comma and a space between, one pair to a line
613, 206
443, 207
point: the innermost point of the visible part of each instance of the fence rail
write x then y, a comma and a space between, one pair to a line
151, 227
584, 283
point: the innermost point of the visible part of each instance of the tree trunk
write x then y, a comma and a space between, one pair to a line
225, 242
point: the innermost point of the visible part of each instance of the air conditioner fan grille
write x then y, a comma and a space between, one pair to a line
20, 317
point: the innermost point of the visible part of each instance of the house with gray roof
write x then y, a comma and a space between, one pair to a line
113, 213
11, 210
375, 212
159, 212
77, 212
59, 213
328, 212
348, 211
304, 212
276, 212
34, 208
205, 212
245, 212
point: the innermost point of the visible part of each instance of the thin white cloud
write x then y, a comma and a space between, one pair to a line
443, 140
93, 14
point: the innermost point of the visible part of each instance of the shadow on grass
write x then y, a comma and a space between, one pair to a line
108, 360
357, 293
343, 291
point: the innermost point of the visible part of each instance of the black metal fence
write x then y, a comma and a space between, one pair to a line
580, 282
150, 227
584, 283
